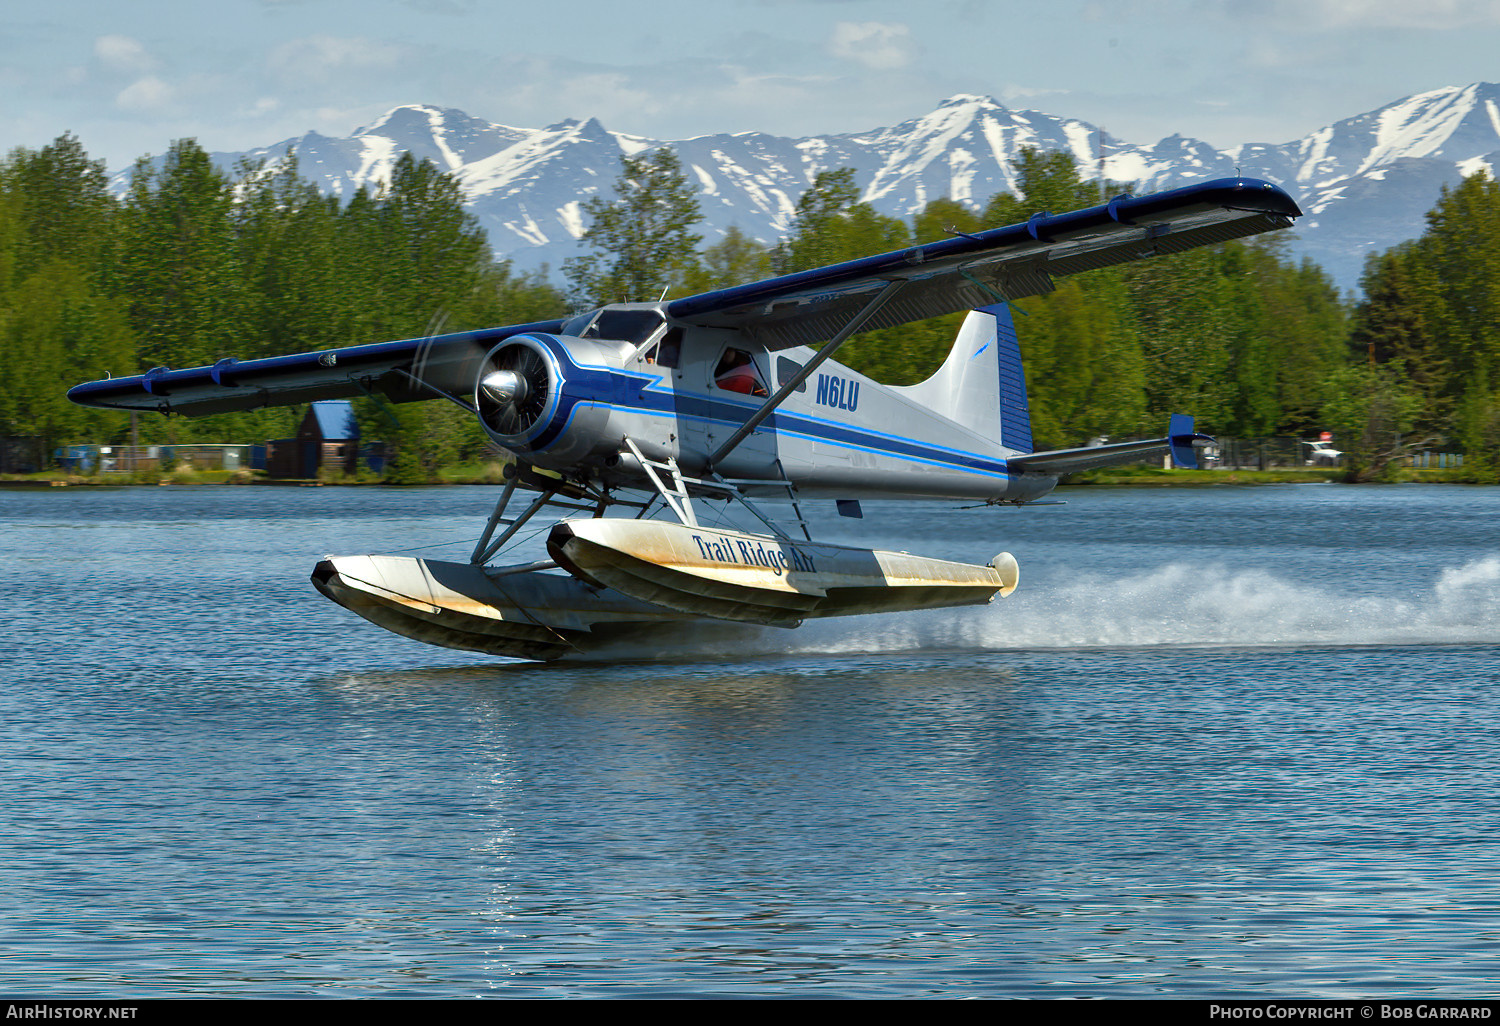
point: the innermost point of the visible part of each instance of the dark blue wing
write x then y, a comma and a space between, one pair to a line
971, 271
393, 369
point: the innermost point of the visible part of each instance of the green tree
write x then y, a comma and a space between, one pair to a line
1086, 365
1431, 316
506, 297
1239, 335
643, 243
66, 209
1188, 329
56, 329
1045, 183
1372, 414
432, 273
736, 259
57, 324
1391, 325
831, 226
434, 254
1306, 323
934, 221
1461, 250
287, 253
178, 266
812, 239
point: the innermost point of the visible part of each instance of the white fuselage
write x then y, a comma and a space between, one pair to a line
839, 434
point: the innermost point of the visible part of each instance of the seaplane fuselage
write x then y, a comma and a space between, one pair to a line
681, 392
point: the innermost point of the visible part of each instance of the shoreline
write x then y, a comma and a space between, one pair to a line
1137, 478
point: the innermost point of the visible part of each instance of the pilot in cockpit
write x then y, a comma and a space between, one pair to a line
736, 373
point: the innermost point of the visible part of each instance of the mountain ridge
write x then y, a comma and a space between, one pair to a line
1365, 182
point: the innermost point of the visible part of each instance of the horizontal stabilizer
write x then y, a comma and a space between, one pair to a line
1181, 441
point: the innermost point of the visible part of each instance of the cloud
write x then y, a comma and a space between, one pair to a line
1432, 15
320, 59
124, 55
148, 95
263, 107
607, 94
1027, 94
877, 45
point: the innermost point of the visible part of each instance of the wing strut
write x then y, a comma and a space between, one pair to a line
678, 497
484, 551
420, 383
789, 386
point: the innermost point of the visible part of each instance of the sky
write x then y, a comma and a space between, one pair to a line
129, 78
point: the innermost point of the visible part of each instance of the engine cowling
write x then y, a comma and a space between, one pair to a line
545, 397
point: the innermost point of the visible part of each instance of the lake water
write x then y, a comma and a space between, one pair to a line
1232, 742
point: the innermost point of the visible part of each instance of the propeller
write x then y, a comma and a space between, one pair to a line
512, 392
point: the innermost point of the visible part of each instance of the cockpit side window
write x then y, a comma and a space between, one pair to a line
736, 372
667, 350
576, 326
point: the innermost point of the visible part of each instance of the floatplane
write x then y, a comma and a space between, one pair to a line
651, 411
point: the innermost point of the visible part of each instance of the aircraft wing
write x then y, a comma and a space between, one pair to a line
971, 271
393, 369
797, 309
1182, 442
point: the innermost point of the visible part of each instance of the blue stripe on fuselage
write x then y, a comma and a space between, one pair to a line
642, 393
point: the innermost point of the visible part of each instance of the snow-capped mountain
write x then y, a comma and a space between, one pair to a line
1365, 182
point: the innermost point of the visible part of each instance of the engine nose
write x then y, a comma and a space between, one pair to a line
528, 405
515, 392
505, 387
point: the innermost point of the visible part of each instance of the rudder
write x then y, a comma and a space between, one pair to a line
982, 385
1015, 410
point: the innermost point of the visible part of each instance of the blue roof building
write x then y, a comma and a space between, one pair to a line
330, 420
327, 437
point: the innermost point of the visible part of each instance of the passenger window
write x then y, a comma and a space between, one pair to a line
786, 370
736, 373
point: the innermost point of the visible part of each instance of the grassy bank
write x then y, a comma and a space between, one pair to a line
486, 473
1157, 477
491, 473
183, 476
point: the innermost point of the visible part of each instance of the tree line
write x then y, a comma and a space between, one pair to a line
193, 264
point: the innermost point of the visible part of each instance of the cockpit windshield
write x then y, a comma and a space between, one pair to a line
633, 326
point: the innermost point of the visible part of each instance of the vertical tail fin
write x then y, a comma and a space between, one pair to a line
1015, 411
1181, 435
981, 385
